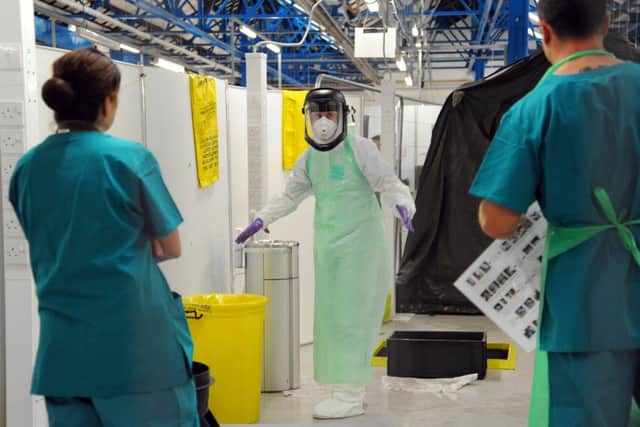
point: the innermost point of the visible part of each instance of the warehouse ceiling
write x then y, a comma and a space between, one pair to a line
213, 36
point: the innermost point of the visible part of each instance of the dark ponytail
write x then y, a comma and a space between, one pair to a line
81, 80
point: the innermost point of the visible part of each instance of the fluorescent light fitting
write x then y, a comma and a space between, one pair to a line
168, 65
533, 17
373, 6
98, 39
535, 34
408, 80
414, 31
419, 44
72, 28
129, 48
402, 66
248, 32
273, 48
326, 37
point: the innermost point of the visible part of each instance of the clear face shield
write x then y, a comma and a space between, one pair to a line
324, 123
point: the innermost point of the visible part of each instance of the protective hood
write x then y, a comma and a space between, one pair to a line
326, 113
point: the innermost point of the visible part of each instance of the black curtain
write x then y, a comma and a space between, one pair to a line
448, 238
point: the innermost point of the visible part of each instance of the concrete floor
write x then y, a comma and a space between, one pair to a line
500, 400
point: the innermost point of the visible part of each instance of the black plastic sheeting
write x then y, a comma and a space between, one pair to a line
448, 238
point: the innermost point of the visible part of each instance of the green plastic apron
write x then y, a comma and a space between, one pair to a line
353, 267
558, 241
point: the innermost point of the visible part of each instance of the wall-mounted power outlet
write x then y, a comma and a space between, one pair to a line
10, 56
11, 141
11, 113
8, 165
12, 226
16, 252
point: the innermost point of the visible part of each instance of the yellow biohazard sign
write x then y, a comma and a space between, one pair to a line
204, 113
293, 143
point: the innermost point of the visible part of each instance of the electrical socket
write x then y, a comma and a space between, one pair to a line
11, 113
12, 226
11, 141
8, 165
16, 252
10, 56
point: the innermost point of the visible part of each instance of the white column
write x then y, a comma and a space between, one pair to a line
390, 153
257, 130
18, 131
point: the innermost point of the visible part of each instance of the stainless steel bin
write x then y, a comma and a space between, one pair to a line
272, 270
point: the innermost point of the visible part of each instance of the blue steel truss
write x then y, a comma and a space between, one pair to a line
458, 34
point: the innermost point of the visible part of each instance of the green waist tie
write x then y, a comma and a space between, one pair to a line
560, 240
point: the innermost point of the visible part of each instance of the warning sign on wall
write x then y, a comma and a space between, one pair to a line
204, 113
293, 142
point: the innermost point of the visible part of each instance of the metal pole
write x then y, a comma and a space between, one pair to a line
143, 103
233, 43
323, 77
280, 69
54, 41
518, 30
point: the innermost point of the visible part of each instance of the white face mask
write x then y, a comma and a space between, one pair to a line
324, 129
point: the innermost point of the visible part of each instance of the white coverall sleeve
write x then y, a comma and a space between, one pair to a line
380, 176
297, 189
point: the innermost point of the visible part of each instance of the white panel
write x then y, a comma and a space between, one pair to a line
409, 144
128, 123
40, 414
239, 170
426, 119
204, 266
374, 111
19, 113
297, 226
19, 358
256, 132
355, 101
375, 42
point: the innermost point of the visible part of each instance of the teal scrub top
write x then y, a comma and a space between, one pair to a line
569, 135
90, 205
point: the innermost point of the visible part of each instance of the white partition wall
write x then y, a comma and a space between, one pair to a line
128, 122
354, 99
297, 226
239, 171
408, 154
19, 122
205, 264
426, 118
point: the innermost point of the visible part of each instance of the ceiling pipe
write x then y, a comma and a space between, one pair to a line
332, 28
79, 7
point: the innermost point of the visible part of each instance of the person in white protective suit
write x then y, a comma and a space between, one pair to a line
353, 263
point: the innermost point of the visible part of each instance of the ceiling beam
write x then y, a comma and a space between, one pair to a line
322, 17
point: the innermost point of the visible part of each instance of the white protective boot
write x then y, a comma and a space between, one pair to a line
347, 400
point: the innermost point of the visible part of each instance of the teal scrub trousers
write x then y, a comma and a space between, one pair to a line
593, 389
176, 407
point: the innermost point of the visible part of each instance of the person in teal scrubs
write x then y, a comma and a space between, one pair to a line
577, 131
114, 347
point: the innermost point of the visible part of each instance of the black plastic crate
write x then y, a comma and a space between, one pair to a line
430, 354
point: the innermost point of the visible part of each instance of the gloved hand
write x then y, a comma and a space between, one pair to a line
406, 219
252, 229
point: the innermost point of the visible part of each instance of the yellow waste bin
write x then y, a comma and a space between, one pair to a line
228, 335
